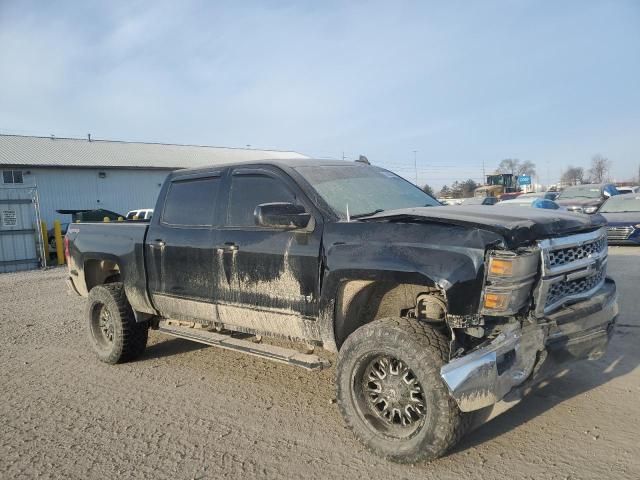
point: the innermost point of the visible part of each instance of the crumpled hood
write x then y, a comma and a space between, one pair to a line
518, 225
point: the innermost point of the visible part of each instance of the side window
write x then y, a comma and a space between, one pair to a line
191, 202
249, 191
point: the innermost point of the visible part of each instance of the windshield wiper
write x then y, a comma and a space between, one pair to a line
360, 215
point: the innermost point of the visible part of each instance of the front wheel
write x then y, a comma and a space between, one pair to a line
390, 392
115, 335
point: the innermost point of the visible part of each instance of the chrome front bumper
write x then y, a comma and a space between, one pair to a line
580, 331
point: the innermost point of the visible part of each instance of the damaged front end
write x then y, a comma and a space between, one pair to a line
526, 325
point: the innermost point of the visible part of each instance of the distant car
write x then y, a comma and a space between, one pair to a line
623, 219
479, 201
90, 215
509, 196
52, 236
547, 195
586, 198
533, 202
142, 214
634, 189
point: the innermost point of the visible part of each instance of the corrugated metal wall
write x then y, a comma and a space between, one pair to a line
19, 232
120, 190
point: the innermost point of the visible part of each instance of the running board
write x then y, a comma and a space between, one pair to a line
262, 350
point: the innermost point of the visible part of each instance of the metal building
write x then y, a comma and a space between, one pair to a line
72, 173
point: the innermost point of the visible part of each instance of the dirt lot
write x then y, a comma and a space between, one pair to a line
187, 411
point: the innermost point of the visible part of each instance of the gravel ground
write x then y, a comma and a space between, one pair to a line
187, 411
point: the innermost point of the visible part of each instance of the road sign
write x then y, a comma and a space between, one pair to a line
524, 180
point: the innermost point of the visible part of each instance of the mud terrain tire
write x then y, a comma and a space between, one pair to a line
420, 352
115, 335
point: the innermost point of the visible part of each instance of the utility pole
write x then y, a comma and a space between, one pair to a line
415, 165
484, 175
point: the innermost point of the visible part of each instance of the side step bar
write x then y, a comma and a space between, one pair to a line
269, 352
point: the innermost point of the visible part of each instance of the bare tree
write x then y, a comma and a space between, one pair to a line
508, 165
428, 190
516, 167
573, 176
599, 171
527, 168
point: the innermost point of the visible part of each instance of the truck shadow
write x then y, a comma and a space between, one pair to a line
621, 359
168, 347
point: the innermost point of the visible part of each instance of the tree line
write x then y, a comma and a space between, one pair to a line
598, 173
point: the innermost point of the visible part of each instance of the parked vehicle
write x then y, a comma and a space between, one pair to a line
90, 215
546, 195
479, 201
534, 202
623, 219
52, 238
509, 196
633, 189
141, 214
586, 198
433, 311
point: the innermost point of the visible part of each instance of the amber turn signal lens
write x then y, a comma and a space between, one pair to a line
496, 301
500, 267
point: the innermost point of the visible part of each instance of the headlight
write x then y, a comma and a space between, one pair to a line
590, 209
510, 277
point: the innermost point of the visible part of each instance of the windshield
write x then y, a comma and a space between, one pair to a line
363, 189
620, 204
581, 191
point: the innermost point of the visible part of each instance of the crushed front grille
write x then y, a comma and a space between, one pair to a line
572, 254
560, 290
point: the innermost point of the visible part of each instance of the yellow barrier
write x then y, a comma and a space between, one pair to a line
57, 229
45, 240
106, 219
121, 219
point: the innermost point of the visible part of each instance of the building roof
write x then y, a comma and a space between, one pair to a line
21, 150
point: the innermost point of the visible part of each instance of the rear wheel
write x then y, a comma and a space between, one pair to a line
391, 394
115, 335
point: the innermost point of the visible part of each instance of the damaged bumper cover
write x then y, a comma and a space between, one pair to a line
580, 331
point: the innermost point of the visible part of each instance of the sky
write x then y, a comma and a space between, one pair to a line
454, 85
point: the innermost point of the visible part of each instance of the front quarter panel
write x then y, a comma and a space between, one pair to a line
450, 258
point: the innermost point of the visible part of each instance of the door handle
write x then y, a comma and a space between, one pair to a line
157, 243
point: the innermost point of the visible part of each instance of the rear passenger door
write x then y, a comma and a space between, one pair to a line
180, 247
271, 274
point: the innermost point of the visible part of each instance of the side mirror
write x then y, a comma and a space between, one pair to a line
281, 215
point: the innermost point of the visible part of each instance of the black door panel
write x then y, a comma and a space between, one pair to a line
181, 249
270, 269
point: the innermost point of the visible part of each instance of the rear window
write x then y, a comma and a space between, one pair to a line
622, 204
191, 202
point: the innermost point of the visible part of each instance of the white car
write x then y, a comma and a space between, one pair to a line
531, 201
142, 214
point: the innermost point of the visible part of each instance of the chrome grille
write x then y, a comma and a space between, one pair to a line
567, 288
573, 268
579, 252
619, 233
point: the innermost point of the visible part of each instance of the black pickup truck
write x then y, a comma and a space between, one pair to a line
440, 317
